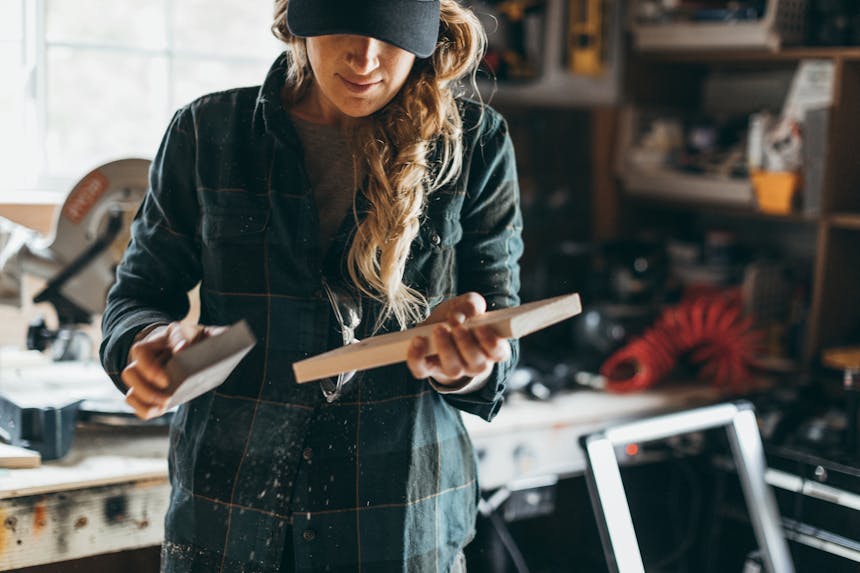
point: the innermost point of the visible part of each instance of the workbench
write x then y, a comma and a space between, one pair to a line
532, 438
110, 493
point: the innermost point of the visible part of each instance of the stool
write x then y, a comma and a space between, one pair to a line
609, 500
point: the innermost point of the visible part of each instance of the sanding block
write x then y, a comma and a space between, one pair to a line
206, 364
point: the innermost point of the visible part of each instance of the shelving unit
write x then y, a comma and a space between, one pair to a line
674, 80
556, 86
782, 24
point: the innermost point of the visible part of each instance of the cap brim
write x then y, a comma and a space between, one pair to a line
402, 24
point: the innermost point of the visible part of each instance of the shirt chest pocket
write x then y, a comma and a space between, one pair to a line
238, 224
235, 255
432, 266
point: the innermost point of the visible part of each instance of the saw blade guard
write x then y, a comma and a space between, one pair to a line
115, 189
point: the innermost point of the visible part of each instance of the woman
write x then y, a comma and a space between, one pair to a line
349, 195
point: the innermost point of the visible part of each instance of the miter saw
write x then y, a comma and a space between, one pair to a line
78, 262
40, 403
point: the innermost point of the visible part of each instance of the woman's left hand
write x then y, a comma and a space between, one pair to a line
460, 352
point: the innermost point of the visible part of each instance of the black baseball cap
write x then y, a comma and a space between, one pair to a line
409, 24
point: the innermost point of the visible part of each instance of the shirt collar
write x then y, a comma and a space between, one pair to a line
270, 116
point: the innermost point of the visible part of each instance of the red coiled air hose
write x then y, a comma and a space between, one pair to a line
710, 330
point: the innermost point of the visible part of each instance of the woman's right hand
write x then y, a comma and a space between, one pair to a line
145, 375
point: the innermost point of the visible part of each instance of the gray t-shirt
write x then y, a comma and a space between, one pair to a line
328, 159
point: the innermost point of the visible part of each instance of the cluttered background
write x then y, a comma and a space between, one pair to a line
688, 167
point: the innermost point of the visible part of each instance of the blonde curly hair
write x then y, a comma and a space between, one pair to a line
394, 147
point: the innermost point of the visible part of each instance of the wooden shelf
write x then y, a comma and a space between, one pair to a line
688, 187
845, 221
724, 210
753, 56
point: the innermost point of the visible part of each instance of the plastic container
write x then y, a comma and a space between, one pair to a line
775, 190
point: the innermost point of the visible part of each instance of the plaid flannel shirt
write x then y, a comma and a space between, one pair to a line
382, 479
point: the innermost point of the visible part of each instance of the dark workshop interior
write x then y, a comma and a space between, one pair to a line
688, 167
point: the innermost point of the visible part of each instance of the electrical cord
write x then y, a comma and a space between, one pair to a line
508, 542
694, 514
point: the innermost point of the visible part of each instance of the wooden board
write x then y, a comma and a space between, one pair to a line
206, 364
15, 457
514, 322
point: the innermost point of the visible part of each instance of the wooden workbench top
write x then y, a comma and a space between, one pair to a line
587, 407
98, 457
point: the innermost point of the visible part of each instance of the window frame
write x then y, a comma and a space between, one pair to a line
52, 187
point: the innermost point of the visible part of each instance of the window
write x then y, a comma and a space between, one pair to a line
96, 80
16, 119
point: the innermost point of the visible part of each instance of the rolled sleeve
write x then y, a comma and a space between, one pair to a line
162, 261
